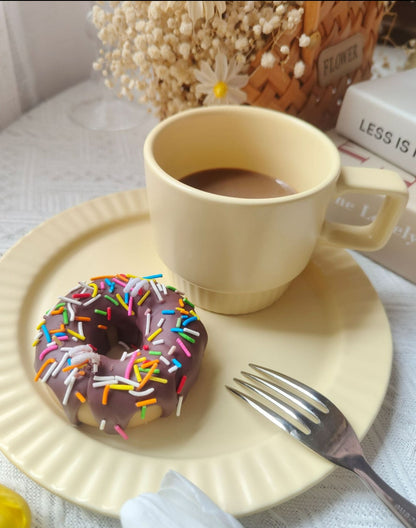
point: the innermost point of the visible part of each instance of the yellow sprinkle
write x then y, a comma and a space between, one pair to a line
192, 312
122, 387
160, 380
75, 334
142, 299
95, 288
137, 372
152, 336
35, 342
120, 298
140, 360
40, 324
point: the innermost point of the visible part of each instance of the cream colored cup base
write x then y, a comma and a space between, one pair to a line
227, 303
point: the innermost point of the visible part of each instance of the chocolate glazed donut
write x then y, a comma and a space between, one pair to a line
163, 341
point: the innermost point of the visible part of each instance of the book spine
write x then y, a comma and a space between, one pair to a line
378, 127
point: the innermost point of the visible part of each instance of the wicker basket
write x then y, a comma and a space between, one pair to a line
343, 36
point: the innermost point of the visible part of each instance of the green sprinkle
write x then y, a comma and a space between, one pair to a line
178, 322
143, 412
188, 302
59, 305
185, 336
171, 288
101, 312
112, 300
156, 371
65, 317
155, 352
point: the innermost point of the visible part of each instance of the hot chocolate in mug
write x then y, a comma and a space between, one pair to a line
232, 245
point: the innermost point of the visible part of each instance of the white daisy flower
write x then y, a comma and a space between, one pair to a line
206, 10
223, 84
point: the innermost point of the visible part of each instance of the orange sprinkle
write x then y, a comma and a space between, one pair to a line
81, 397
146, 402
122, 277
182, 311
70, 367
102, 327
79, 318
59, 311
56, 330
105, 394
181, 303
42, 368
148, 375
150, 363
102, 277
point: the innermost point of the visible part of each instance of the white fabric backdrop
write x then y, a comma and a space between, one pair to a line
44, 48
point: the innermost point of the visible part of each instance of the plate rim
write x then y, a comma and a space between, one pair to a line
101, 211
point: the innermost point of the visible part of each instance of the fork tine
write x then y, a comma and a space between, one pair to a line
308, 408
296, 416
314, 395
271, 415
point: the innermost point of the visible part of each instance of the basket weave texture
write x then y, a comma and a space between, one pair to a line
328, 24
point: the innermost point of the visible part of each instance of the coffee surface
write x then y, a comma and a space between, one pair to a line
241, 183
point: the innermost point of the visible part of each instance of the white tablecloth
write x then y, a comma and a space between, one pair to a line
48, 164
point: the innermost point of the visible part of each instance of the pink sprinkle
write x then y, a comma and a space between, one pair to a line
130, 365
102, 285
48, 349
121, 432
130, 310
183, 346
119, 282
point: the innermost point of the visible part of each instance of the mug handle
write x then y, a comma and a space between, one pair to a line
375, 235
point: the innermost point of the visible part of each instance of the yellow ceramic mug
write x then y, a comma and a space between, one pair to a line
237, 255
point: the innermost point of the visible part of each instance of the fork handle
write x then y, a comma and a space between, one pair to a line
404, 510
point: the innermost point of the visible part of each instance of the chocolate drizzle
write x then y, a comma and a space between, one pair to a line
158, 325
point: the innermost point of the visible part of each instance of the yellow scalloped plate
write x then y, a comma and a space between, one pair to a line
328, 330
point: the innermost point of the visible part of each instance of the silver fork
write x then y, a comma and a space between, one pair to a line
320, 425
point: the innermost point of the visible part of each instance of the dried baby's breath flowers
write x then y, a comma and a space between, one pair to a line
170, 54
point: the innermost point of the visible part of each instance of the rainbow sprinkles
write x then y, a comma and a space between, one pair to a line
119, 351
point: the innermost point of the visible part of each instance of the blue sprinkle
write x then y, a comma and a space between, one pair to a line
176, 362
168, 312
47, 334
176, 329
189, 320
126, 297
111, 284
157, 276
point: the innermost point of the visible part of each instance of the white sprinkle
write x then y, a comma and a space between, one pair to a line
173, 369
71, 312
48, 373
93, 299
190, 331
148, 317
171, 350
160, 323
124, 355
102, 425
68, 391
158, 342
71, 375
156, 290
127, 381
165, 361
60, 364
69, 300
102, 384
142, 393
179, 406
134, 285
124, 345
104, 378
80, 329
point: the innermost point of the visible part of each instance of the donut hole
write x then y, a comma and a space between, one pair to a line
120, 341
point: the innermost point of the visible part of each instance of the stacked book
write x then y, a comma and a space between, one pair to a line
377, 128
